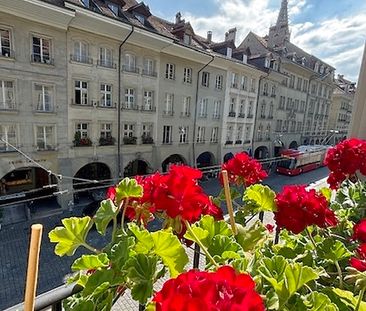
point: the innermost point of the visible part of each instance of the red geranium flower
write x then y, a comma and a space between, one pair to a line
242, 169
360, 262
359, 231
111, 193
224, 290
344, 160
298, 208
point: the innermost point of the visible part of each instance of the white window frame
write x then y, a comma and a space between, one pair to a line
201, 134
106, 94
203, 108
187, 75
214, 135
5, 131
105, 60
244, 83
81, 51
148, 100
129, 61
44, 58
167, 134
84, 100
5, 50
217, 108
147, 129
129, 98
219, 82
205, 81
186, 106
170, 71
105, 130
183, 134
169, 103
129, 130
149, 66
83, 129
7, 103
239, 132
43, 140
41, 98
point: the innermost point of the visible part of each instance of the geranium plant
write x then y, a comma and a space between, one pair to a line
319, 262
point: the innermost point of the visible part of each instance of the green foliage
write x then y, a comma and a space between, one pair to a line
333, 250
250, 238
90, 262
316, 301
106, 212
128, 188
71, 235
259, 198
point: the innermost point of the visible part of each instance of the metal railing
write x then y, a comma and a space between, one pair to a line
37, 58
106, 64
132, 69
81, 59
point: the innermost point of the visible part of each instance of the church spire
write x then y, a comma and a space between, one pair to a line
280, 32
283, 15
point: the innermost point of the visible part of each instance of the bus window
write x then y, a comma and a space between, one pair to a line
288, 164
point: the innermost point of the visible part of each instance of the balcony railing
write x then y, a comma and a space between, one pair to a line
215, 116
37, 58
81, 59
149, 73
232, 114
8, 106
247, 141
238, 142
106, 64
106, 105
168, 113
132, 69
229, 142
129, 106
250, 116
241, 115
234, 85
185, 114
202, 115
87, 103
148, 109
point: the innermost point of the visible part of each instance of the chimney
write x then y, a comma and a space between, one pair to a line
245, 58
230, 35
178, 18
209, 36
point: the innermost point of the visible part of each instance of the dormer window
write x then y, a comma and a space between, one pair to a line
187, 39
140, 18
303, 61
113, 7
316, 67
321, 69
294, 57
267, 63
229, 52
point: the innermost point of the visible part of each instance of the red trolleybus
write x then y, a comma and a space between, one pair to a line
304, 159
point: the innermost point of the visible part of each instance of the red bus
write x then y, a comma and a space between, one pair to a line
304, 159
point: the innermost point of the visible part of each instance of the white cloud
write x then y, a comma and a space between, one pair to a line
336, 41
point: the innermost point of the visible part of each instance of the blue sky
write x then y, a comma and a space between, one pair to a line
333, 30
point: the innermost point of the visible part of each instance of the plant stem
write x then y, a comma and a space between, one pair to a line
362, 293
339, 274
91, 248
229, 202
198, 241
114, 230
125, 203
311, 238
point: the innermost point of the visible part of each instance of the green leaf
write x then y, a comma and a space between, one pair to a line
71, 235
170, 250
106, 212
145, 242
249, 238
141, 272
128, 188
319, 302
221, 244
326, 192
121, 251
297, 276
75, 303
259, 198
333, 250
345, 300
234, 194
272, 300
96, 279
88, 262
273, 270
207, 228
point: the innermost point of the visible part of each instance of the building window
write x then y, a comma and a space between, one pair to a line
203, 108
128, 130
273, 91
289, 104
167, 134
45, 137
214, 135
270, 113
252, 85
149, 67
169, 104
129, 63
187, 39
187, 75
299, 127
183, 134
148, 100
82, 129
279, 125
5, 43
44, 97
265, 89
229, 134
105, 57
260, 132
106, 130
242, 109
263, 110
170, 71
250, 109
106, 95
217, 107
268, 132
239, 134
186, 106
129, 98
247, 133
305, 86
205, 79
234, 80
81, 92
244, 83
219, 82
146, 130
7, 99
81, 52
8, 133
232, 107
201, 134
41, 50
299, 84
302, 106
292, 81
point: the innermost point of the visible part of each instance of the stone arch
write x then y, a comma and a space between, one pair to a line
261, 152
136, 167
172, 159
293, 145
92, 171
228, 156
205, 159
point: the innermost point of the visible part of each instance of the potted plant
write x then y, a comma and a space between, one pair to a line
147, 139
81, 141
106, 141
318, 262
130, 140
